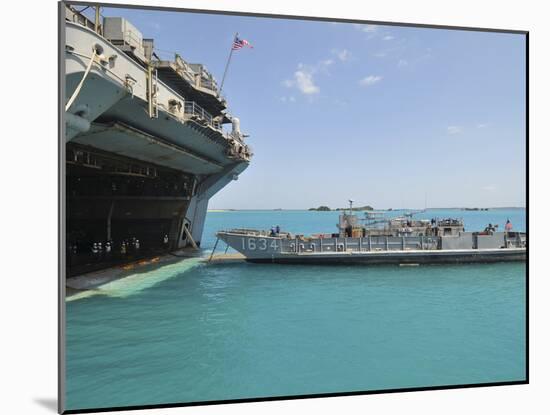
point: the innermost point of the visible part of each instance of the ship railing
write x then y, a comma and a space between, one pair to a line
208, 82
205, 79
193, 110
365, 244
245, 231
196, 75
449, 222
76, 17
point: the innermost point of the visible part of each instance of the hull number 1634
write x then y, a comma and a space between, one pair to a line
253, 244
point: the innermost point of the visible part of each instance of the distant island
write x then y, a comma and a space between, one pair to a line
327, 209
475, 209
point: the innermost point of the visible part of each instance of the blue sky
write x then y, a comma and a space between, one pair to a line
384, 115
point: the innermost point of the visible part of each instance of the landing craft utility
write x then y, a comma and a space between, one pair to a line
402, 240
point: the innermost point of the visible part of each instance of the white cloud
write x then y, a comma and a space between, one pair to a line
343, 54
303, 80
304, 77
482, 125
370, 80
381, 54
368, 28
454, 129
387, 37
402, 63
489, 188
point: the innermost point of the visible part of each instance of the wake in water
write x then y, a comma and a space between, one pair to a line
137, 282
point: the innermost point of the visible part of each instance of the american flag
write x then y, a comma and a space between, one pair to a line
240, 43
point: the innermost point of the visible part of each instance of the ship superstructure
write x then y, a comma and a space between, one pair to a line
146, 145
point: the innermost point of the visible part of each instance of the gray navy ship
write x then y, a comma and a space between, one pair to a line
146, 147
377, 240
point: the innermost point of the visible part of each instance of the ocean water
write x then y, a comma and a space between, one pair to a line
191, 331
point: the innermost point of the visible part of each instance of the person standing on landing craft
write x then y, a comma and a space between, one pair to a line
508, 226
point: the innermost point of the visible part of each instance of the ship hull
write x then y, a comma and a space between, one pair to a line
136, 180
400, 257
261, 248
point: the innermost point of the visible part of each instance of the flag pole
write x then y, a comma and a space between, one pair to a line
227, 64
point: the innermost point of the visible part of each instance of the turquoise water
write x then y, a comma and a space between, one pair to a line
195, 332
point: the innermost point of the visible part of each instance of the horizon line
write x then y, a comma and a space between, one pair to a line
402, 208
